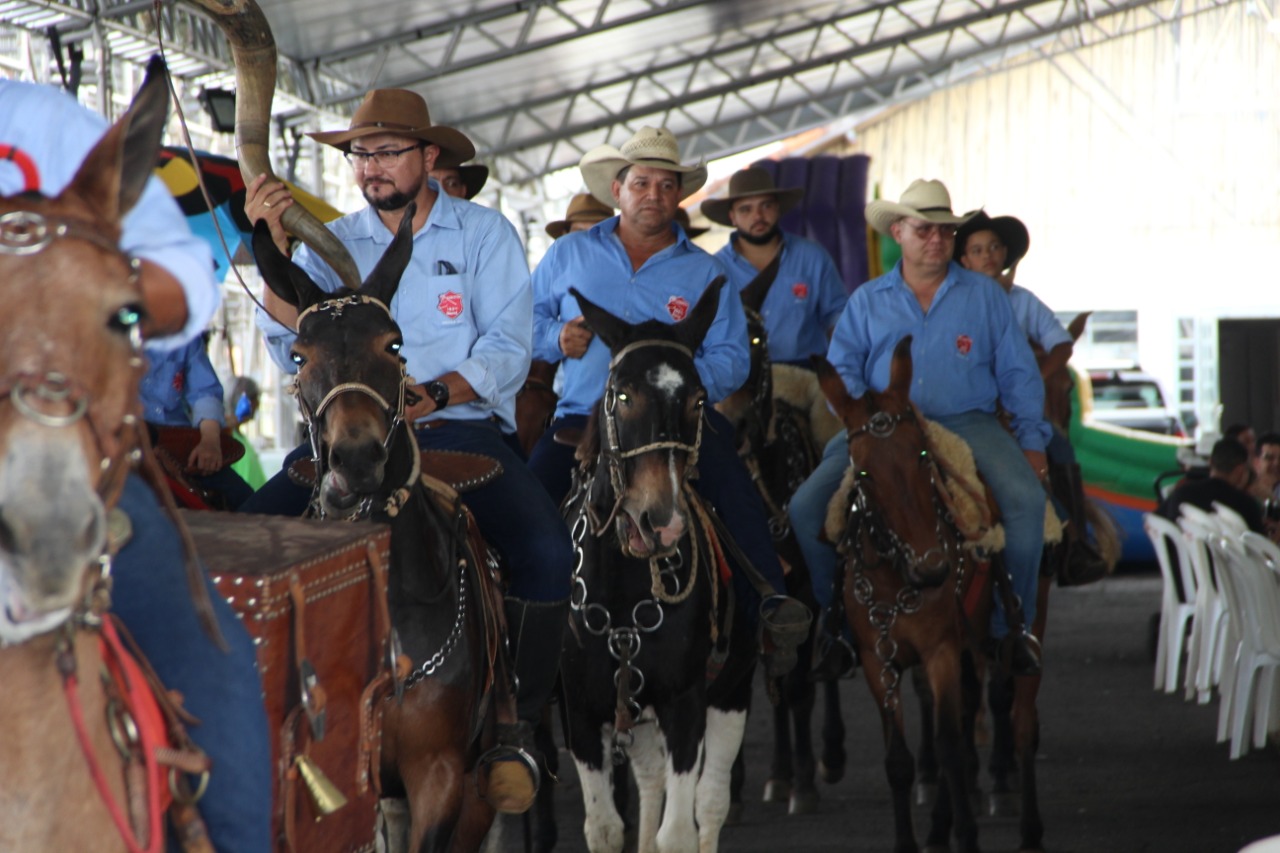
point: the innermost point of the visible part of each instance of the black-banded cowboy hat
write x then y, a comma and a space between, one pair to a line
652, 147
682, 218
1009, 229
746, 184
925, 200
584, 207
472, 175
403, 113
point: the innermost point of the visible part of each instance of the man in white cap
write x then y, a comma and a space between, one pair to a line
464, 309
806, 296
641, 266
967, 351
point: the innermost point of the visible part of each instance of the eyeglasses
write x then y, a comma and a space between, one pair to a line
926, 232
385, 159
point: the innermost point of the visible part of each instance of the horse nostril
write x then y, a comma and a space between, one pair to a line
8, 537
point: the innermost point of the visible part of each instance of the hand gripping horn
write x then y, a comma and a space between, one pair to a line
254, 50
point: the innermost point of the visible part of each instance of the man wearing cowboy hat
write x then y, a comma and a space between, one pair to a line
641, 266
463, 182
805, 299
464, 308
994, 245
584, 211
967, 352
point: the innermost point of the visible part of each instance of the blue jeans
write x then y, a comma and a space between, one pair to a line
514, 512
722, 481
1018, 493
222, 689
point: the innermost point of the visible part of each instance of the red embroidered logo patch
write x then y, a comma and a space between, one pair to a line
964, 343
800, 290
179, 381
450, 304
677, 307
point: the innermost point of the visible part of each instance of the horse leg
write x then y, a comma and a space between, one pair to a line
953, 808
899, 766
649, 765
1026, 725
778, 788
927, 757
804, 792
546, 833
831, 765
1002, 765
602, 825
683, 726
737, 781
723, 741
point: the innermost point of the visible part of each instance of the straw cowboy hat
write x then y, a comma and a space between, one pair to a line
653, 147
403, 113
745, 184
682, 218
1009, 229
584, 207
927, 200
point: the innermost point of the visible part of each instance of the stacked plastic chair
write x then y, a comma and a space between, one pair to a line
1177, 606
1209, 623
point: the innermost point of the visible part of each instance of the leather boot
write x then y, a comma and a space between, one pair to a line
833, 657
1019, 650
534, 631
1083, 564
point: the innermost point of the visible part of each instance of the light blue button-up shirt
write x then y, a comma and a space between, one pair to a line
967, 352
463, 303
665, 287
1036, 320
181, 388
804, 300
55, 133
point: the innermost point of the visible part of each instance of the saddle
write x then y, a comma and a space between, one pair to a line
178, 442
459, 470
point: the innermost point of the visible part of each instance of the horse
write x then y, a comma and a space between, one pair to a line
782, 423
70, 433
907, 581
445, 608
661, 668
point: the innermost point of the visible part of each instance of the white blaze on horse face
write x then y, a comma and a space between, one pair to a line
666, 379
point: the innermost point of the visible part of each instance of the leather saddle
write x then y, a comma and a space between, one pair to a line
462, 471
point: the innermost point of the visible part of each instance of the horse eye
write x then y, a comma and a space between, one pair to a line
297, 358
126, 318
755, 342
394, 347
623, 397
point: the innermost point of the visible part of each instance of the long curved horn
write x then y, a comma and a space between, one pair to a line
254, 51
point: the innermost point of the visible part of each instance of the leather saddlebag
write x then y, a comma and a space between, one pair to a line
313, 597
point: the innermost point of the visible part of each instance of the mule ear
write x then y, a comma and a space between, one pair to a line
116, 170
285, 278
608, 328
833, 387
900, 369
754, 293
384, 281
692, 329
1076, 327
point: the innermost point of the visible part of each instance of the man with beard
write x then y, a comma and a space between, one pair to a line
464, 307
807, 295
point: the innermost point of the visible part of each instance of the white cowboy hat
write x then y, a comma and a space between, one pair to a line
653, 147
927, 200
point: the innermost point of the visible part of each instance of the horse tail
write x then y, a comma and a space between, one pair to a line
1105, 531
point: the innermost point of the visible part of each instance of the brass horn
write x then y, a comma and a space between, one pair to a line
254, 50
325, 795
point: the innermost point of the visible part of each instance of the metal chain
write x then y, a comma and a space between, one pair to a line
430, 666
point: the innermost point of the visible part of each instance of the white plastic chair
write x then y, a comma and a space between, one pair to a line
1230, 520
1266, 556
1176, 609
1203, 646
1253, 597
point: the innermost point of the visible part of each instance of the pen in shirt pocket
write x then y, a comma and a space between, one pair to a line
445, 268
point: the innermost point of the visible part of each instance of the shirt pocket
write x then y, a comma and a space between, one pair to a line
434, 305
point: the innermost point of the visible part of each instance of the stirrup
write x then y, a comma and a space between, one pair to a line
514, 779
833, 658
786, 624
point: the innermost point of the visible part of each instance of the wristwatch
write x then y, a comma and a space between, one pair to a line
438, 392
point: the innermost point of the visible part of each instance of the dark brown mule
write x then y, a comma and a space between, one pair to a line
906, 580
777, 442
69, 435
351, 388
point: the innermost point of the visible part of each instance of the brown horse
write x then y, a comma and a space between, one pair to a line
351, 387
69, 435
907, 576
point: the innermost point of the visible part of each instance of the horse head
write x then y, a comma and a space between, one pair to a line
750, 408
351, 378
651, 421
1058, 385
71, 343
895, 497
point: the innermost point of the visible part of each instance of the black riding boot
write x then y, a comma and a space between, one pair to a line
534, 630
1019, 650
1083, 564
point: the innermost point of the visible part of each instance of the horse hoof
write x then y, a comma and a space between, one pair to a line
830, 773
734, 815
777, 791
926, 793
1003, 805
803, 802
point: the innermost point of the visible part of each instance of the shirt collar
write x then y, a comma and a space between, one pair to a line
444, 214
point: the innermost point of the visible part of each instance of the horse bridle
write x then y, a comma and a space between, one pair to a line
612, 450
394, 413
